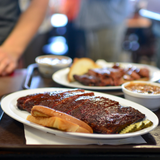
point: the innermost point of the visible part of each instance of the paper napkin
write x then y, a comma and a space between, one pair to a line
37, 137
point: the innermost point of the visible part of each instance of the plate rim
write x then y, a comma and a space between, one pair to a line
6, 102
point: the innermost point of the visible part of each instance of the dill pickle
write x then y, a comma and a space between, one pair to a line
139, 126
147, 123
136, 126
128, 129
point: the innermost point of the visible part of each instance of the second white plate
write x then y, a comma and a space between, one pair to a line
60, 76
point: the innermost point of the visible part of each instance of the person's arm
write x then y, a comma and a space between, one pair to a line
26, 27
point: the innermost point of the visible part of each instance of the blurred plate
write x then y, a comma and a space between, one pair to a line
60, 76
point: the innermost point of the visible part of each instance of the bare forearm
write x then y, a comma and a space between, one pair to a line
26, 27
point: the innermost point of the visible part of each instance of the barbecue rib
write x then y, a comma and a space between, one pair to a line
101, 77
102, 114
111, 76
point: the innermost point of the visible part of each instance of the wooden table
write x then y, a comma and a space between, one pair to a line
12, 140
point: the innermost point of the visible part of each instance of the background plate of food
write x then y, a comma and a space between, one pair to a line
85, 73
10, 107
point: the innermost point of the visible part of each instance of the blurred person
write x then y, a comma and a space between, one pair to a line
153, 11
75, 36
104, 22
35, 47
17, 30
156, 31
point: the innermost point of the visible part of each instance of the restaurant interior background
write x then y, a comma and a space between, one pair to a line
139, 45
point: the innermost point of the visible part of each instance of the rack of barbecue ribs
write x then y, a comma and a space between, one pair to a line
104, 115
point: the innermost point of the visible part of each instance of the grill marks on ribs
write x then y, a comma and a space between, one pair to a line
112, 76
47, 99
102, 114
101, 77
105, 115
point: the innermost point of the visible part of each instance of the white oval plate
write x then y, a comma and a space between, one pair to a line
9, 106
60, 76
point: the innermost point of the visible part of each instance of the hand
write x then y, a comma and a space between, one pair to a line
8, 62
15, 44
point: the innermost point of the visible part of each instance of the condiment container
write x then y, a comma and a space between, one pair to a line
143, 92
48, 64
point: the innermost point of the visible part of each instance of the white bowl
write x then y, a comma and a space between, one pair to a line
48, 64
151, 101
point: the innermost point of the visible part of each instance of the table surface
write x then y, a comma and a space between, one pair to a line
12, 140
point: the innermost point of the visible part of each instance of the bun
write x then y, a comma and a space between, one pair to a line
80, 66
55, 119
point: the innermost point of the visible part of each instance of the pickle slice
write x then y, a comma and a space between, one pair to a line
128, 129
137, 126
147, 123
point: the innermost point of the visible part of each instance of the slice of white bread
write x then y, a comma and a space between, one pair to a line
80, 66
55, 119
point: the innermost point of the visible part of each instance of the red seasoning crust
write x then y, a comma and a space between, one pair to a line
102, 114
